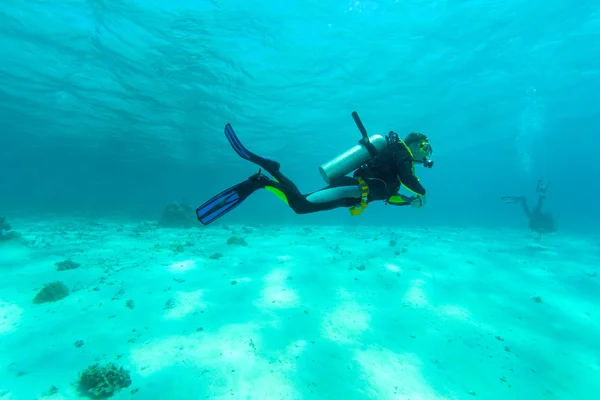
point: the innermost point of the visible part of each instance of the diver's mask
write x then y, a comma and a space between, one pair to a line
426, 149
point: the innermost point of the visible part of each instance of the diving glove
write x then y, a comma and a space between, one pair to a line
418, 201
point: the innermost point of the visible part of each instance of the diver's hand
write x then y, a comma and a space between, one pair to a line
418, 201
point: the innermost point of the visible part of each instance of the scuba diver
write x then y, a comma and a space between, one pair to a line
381, 166
539, 221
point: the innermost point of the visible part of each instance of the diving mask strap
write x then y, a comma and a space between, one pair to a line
364, 195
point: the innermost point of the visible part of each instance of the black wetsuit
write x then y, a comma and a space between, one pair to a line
383, 174
386, 173
380, 178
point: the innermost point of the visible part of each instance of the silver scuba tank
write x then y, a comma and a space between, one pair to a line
351, 159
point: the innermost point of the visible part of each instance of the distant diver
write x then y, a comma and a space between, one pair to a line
381, 166
539, 221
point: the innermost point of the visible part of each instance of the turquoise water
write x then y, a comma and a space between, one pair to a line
111, 110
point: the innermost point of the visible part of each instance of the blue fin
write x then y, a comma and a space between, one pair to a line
219, 205
271, 166
229, 199
236, 144
512, 199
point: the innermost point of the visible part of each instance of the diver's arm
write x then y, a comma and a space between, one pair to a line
409, 179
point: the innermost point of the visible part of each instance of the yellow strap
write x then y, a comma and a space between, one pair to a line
364, 194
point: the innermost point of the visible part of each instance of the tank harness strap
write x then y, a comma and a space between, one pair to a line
369, 146
365, 137
364, 194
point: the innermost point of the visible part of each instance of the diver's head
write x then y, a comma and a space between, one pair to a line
420, 148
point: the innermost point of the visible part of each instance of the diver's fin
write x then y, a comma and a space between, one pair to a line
219, 205
270, 166
541, 188
230, 198
512, 199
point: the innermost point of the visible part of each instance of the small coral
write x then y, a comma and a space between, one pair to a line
4, 225
237, 241
102, 381
177, 248
51, 292
9, 236
6, 235
66, 265
178, 215
169, 304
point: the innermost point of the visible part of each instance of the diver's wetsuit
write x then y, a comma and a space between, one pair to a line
383, 174
380, 178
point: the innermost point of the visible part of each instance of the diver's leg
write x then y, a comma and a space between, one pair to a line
525, 207
540, 203
518, 199
285, 181
344, 192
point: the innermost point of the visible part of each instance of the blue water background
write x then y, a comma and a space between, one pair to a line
118, 107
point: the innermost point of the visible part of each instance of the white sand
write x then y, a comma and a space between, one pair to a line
303, 313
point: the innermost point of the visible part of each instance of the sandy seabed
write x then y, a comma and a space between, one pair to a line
302, 312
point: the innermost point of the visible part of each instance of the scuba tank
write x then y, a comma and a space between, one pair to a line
353, 158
